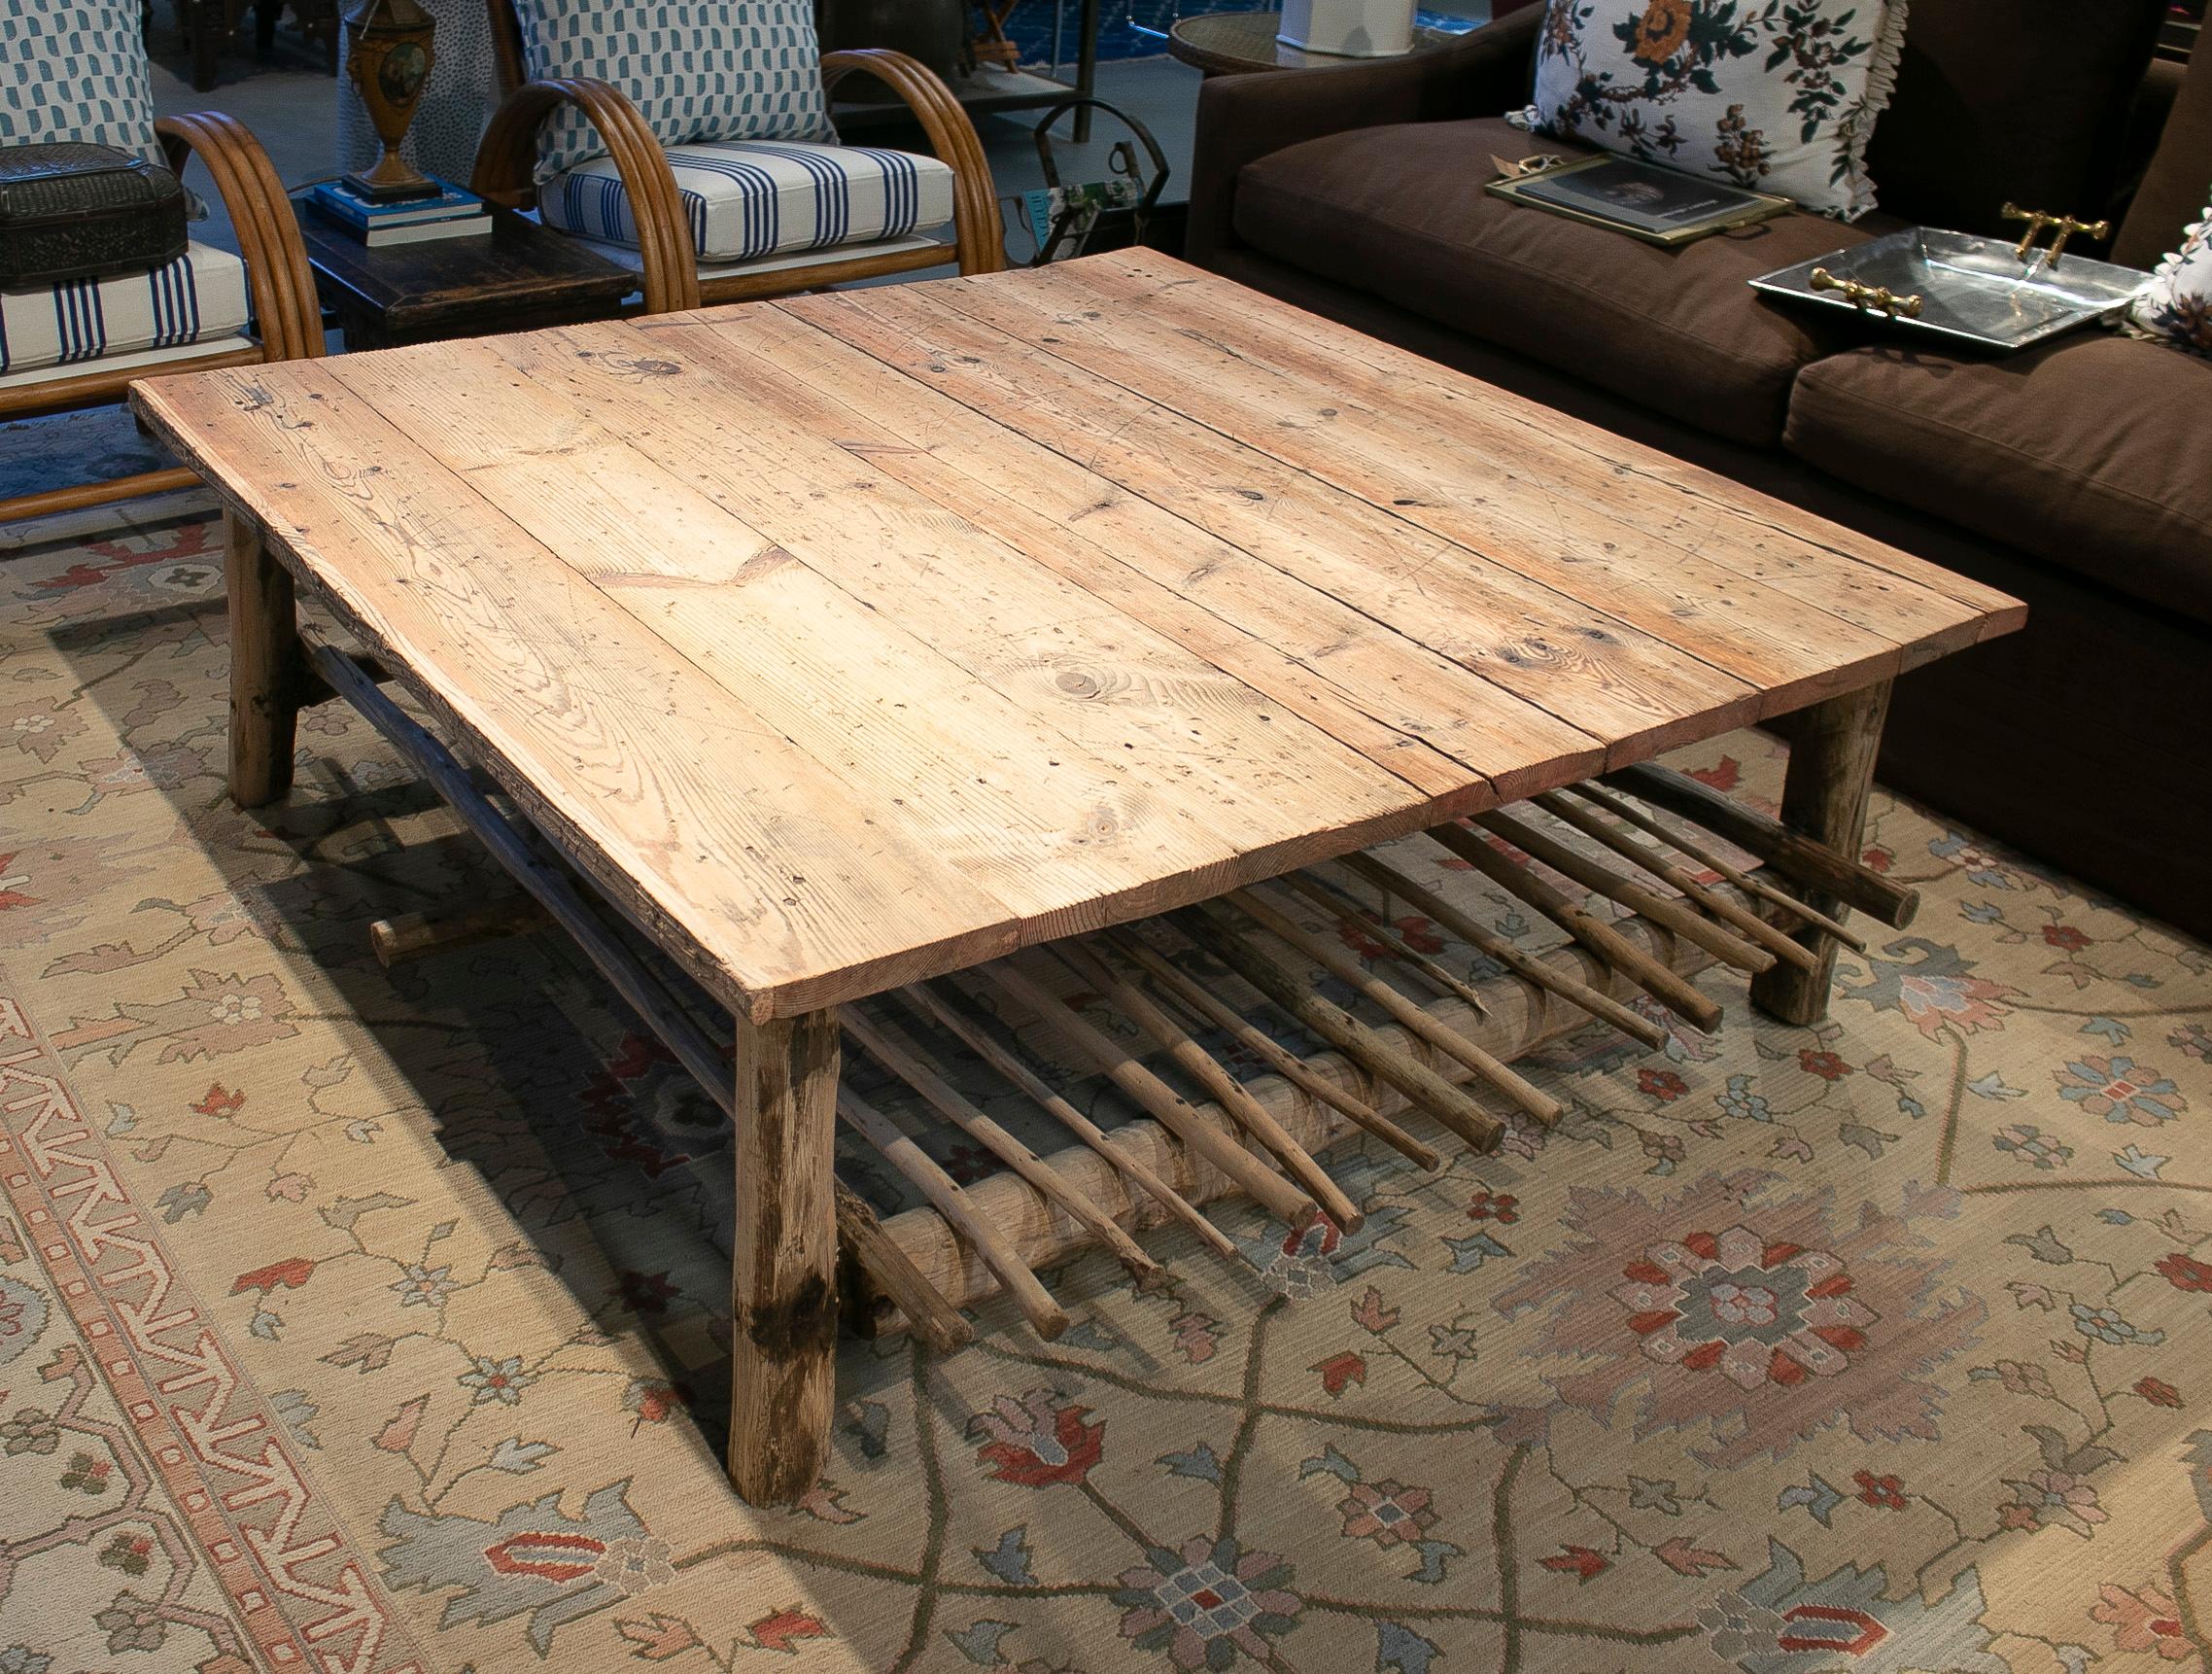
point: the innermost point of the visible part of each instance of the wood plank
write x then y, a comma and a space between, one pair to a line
1274, 788
1589, 669
1397, 702
1395, 379
1055, 832
752, 866
1556, 514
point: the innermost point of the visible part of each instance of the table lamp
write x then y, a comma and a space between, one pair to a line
388, 59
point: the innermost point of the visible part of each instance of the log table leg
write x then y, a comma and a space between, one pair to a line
783, 1278
1824, 795
264, 666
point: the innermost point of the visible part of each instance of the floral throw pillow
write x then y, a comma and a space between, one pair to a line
2176, 306
1773, 96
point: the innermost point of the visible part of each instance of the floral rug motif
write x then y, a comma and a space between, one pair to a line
368, 1321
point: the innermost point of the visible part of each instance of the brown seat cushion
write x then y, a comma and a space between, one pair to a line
1400, 212
2021, 100
2093, 452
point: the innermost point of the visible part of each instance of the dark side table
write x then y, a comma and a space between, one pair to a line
522, 278
1239, 43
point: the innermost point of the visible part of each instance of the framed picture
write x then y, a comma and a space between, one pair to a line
1655, 204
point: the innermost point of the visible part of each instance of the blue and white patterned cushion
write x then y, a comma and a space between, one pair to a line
75, 70
198, 297
695, 69
765, 197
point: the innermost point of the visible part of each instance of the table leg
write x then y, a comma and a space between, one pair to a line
783, 1278
1824, 796
264, 666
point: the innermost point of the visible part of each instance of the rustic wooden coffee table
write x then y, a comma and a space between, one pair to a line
852, 639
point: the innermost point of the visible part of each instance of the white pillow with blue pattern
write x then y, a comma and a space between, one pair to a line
75, 70
702, 70
2176, 306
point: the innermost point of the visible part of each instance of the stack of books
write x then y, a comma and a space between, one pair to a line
451, 214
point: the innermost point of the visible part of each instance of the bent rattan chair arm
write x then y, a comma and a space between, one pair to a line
952, 136
282, 284
506, 160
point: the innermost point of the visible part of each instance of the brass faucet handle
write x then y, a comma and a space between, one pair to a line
1880, 298
2067, 227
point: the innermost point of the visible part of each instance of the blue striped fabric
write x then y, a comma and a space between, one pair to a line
767, 197
200, 294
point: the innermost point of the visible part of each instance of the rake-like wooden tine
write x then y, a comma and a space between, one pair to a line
1705, 855
1747, 924
957, 1108
930, 1317
1794, 855
927, 1003
1209, 925
1664, 985
1158, 1100
1347, 913
1045, 1315
1479, 936
1225, 1088
1672, 914
1202, 1002
1410, 1016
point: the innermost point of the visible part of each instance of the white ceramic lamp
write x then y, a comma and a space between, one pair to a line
1349, 28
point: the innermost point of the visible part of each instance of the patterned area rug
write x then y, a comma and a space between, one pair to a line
367, 1321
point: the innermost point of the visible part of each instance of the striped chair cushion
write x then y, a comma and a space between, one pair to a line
199, 295
697, 70
762, 198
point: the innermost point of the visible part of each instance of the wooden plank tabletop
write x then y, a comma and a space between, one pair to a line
867, 636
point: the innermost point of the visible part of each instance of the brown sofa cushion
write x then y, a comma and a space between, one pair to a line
2026, 99
2093, 452
2179, 184
1400, 212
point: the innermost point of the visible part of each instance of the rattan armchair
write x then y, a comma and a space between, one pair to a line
671, 274
287, 319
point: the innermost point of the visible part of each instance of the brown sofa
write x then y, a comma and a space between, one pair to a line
2077, 475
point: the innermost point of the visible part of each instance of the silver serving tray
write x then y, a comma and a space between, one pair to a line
1973, 289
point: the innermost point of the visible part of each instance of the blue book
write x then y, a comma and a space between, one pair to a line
338, 201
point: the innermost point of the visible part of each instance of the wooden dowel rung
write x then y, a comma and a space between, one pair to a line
1207, 1135
1252, 1118
1203, 1003
1611, 948
1347, 968
1796, 855
1746, 923
1703, 854
1347, 913
957, 1108
1045, 1315
1209, 927
884, 1260
1670, 914
926, 1003
1603, 1006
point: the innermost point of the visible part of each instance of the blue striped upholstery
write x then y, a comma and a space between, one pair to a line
696, 69
200, 296
765, 197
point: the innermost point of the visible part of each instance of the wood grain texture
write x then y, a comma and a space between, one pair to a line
855, 639
783, 1259
264, 665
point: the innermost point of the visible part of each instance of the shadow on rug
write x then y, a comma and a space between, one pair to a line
377, 1321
